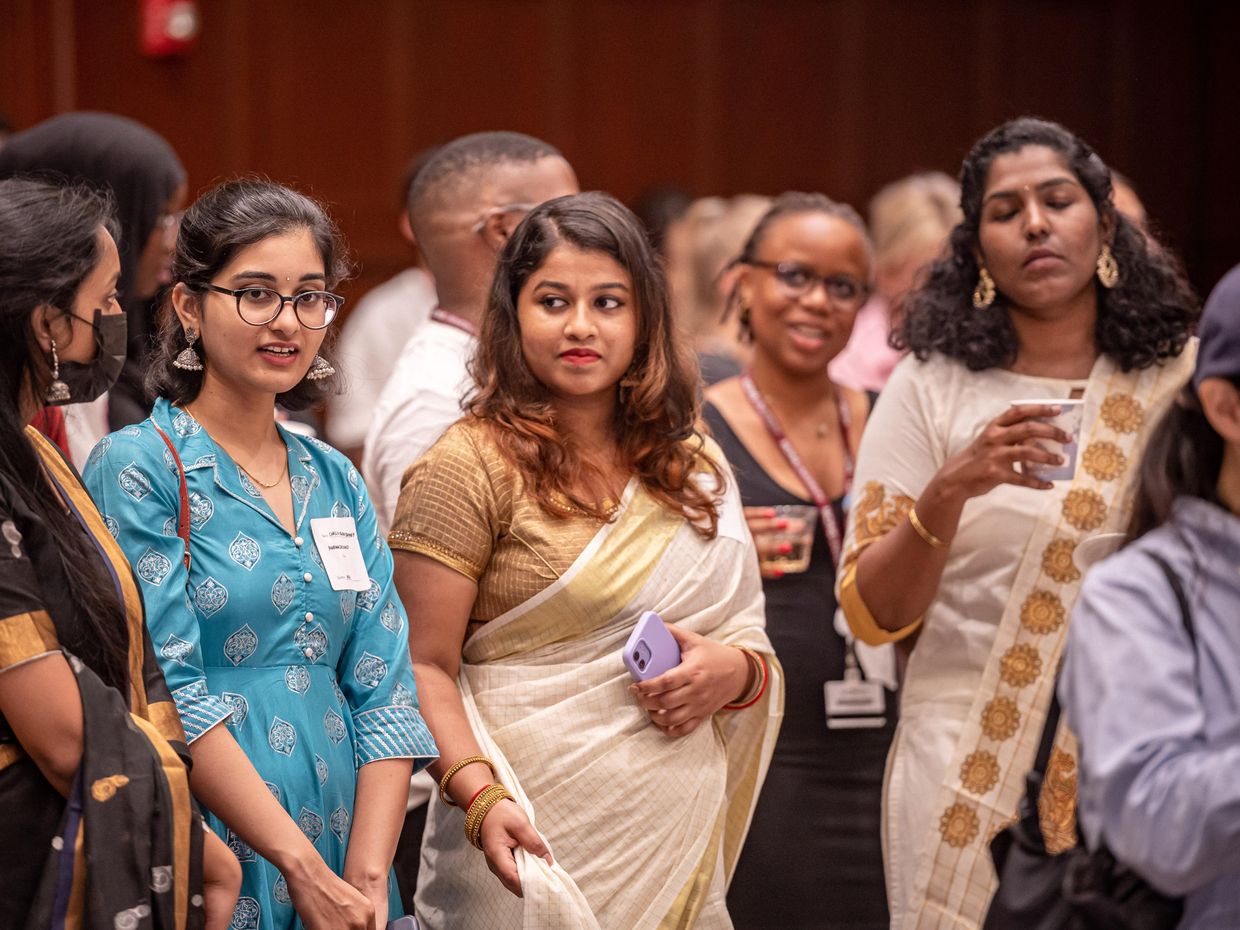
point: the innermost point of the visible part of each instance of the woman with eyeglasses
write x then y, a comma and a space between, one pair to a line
791, 435
1043, 348
267, 586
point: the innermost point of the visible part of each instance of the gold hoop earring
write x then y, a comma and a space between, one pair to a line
1108, 268
984, 293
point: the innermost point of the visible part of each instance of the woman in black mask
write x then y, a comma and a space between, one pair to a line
96, 820
147, 184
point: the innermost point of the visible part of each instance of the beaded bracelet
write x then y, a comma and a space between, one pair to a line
447, 776
486, 799
759, 663
920, 529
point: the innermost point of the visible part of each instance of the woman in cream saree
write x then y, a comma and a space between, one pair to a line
627, 809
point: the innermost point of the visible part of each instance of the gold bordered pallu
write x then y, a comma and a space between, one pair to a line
986, 776
645, 830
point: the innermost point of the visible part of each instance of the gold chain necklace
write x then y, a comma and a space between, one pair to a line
249, 474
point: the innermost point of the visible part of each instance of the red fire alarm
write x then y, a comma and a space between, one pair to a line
169, 27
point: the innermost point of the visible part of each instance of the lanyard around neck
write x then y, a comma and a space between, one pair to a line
448, 318
830, 524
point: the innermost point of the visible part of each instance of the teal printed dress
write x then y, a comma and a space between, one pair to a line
313, 683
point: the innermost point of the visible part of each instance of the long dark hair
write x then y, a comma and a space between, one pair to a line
221, 222
1183, 457
656, 420
1146, 317
48, 245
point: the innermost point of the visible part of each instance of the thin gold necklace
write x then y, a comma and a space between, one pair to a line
249, 474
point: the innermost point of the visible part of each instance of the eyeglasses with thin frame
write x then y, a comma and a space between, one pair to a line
477, 228
258, 306
797, 281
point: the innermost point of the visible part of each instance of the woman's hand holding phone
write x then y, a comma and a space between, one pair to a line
709, 675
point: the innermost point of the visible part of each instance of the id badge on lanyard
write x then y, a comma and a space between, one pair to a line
854, 703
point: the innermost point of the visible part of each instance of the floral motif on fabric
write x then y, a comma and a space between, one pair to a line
241, 645
340, 823
341, 509
297, 679
1122, 412
874, 516
311, 824
333, 726
275, 791
402, 696
300, 486
320, 769
980, 772
240, 848
185, 425
134, 482
176, 649
210, 597
1043, 612
370, 597
1000, 719
282, 593
311, 643
282, 736
245, 551
389, 616
201, 509
959, 825
1057, 803
1057, 561
1104, 460
247, 485
1020, 666
1085, 509
240, 708
279, 891
246, 915
370, 670
100, 450
114, 528
153, 567
104, 789
161, 879
348, 604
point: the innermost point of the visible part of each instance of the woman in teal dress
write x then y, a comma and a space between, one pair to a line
303, 659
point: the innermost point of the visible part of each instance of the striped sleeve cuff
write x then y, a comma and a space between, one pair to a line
199, 710
393, 732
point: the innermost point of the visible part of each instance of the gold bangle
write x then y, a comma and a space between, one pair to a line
447, 776
478, 810
925, 534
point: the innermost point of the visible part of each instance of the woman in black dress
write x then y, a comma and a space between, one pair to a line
812, 858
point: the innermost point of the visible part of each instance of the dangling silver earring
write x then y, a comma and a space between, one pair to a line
57, 391
188, 359
320, 368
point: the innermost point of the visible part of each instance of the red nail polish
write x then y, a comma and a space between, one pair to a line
785, 548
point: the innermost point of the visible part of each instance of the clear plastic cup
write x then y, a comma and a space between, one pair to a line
797, 538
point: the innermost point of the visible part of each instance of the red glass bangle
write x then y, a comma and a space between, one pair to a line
476, 793
761, 690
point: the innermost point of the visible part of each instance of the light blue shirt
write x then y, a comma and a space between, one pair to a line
1160, 731
313, 682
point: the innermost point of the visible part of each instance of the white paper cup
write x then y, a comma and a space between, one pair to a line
1068, 420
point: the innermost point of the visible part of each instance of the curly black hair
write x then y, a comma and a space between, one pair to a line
1146, 317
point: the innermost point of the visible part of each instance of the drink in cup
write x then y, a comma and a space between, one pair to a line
1068, 420
797, 537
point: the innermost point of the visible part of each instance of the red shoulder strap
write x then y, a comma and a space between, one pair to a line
183, 513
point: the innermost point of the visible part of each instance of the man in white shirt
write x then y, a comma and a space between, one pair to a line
463, 205
374, 334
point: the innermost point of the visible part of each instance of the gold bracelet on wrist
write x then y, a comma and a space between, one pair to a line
447, 776
920, 528
487, 798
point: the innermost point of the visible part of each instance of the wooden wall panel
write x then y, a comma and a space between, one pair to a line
721, 96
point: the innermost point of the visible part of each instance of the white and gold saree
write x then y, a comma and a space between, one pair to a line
980, 679
645, 830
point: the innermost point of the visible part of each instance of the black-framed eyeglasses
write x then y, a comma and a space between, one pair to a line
258, 306
797, 280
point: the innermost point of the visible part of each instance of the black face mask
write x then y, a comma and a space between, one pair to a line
88, 380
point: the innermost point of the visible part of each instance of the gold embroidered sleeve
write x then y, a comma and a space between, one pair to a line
26, 636
874, 516
448, 502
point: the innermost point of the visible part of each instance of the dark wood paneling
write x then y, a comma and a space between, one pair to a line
721, 96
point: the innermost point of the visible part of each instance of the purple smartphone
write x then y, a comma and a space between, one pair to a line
651, 650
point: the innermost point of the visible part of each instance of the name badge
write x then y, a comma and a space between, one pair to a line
854, 704
336, 539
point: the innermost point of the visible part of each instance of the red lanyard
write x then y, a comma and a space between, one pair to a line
830, 525
447, 318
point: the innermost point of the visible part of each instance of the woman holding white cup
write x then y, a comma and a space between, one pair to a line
958, 536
